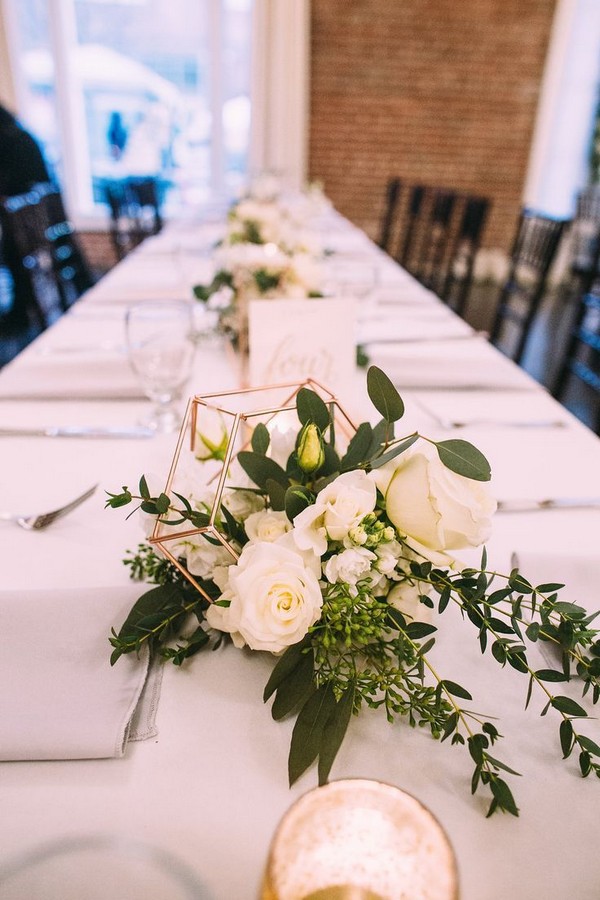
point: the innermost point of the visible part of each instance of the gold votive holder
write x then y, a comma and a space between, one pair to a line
357, 839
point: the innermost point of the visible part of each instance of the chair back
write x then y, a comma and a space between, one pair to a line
388, 220
534, 249
439, 236
459, 275
41, 251
135, 214
581, 359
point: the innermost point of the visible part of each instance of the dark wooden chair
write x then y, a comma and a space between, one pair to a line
533, 251
584, 239
459, 274
581, 361
388, 220
44, 259
440, 234
135, 213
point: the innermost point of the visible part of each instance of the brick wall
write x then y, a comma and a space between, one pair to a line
438, 91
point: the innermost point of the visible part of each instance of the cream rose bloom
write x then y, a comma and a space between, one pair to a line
337, 510
274, 596
267, 525
438, 510
405, 598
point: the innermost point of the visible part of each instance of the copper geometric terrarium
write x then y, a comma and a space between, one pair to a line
216, 427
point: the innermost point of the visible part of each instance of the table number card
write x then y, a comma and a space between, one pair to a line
290, 340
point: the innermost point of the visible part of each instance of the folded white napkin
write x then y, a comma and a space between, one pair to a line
450, 364
59, 696
406, 328
479, 408
103, 375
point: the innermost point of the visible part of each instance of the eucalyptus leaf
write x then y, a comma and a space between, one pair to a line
335, 731
261, 439
308, 731
568, 706
550, 675
276, 493
159, 602
286, 664
295, 690
311, 408
261, 468
456, 690
394, 451
383, 395
463, 458
297, 498
358, 448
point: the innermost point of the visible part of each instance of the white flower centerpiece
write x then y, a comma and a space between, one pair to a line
332, 547
267, 253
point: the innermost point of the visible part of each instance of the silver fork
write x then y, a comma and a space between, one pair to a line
36, 523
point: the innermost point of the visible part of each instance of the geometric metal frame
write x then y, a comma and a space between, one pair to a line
242, 407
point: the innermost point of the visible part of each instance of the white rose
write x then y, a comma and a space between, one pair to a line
202, 557
267, 525
241, 503
338, 508
405, 598
220, 617
275, 597
349, 566
438, 510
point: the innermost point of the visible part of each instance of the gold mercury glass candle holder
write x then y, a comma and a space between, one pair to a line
357, 839
216, 427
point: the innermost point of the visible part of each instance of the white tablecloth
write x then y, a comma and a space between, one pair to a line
211, 786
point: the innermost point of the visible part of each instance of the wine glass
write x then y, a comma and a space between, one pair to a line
161, 348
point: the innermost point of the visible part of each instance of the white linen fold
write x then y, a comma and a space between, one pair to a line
392, 328
103, 375
59, 696
448, 364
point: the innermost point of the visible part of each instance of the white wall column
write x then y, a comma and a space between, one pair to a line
280, 89
8, 96
558, 162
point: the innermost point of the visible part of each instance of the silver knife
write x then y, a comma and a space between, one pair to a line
550, 503
79, 431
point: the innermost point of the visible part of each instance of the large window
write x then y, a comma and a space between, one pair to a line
117, 88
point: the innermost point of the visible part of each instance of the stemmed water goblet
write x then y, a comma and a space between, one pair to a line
160, 343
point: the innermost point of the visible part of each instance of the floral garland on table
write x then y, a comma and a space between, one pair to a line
247, 271
337, 556
267, 252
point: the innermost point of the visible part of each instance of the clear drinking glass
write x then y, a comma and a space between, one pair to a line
97, 867
160, 342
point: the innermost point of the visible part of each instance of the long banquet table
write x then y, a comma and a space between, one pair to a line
210, 785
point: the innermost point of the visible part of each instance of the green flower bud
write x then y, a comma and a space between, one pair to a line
311, 454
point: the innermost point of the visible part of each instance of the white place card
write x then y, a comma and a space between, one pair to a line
290, 340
